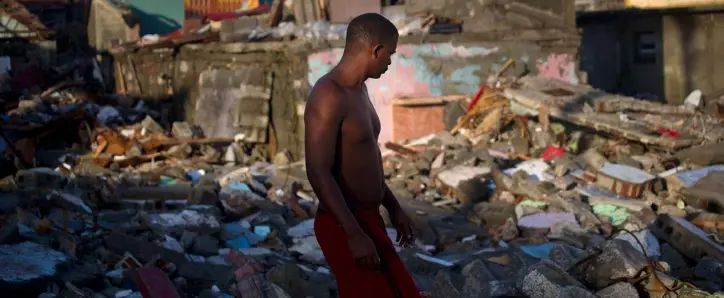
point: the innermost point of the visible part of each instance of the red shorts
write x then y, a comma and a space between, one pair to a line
393, 281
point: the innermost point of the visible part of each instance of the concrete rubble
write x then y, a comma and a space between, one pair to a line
539, 189
536, 208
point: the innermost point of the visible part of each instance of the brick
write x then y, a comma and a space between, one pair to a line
154, 283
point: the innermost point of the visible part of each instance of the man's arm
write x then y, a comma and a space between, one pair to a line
389, 201
323, 117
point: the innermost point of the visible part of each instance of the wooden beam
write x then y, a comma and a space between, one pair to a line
426, 101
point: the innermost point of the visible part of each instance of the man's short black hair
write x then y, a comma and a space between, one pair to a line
370, 29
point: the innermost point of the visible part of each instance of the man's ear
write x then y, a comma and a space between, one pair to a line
377, 50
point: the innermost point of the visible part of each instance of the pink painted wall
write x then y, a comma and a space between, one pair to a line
411, 75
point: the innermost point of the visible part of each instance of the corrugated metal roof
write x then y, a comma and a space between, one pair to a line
19, 22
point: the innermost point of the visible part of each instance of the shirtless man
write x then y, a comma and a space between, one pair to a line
344, 166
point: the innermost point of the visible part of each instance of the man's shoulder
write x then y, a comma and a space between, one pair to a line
325, 86
325, 91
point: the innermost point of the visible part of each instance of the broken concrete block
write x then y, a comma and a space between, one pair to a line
182, 130
443, 286
40, 178
309, 248
618, 290
509, 230
707, 193
465, 181
152, 126
546, 280
24, 267
566, 256
490, 288
184, 220
687, 238
205, 245
492, 214
646, 238
204, 195
519, 262
477, 270
301, 283
711, 154
545, 221
710, 269
593, 159
618, 260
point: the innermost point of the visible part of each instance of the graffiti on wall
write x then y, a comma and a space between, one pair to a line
558, 66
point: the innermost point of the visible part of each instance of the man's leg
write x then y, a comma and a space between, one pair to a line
352, 281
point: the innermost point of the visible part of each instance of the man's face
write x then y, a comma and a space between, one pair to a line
382, 58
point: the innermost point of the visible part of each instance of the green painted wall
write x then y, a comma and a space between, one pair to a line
158, 16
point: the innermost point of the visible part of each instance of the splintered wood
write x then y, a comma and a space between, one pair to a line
492, 111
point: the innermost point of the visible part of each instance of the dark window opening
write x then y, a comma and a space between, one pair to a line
645, 47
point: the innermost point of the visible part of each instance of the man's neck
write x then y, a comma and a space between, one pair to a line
350, 73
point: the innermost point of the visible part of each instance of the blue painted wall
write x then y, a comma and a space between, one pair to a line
158, 16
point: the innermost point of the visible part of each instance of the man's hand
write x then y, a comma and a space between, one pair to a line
364, 251
404, 226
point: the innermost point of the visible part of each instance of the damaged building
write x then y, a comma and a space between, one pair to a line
660, 50
165, 156
544, 41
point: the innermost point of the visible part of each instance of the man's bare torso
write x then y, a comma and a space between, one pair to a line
358, 162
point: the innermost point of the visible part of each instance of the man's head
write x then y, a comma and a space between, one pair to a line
373, 39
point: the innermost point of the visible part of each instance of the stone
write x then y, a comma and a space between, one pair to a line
509, 230
628, 161
618, 260
710, 269
187, 239
493, 214
466, 182
27, 266
593, 159
711, 154
443, 286
546, 280
422, 271
152, 126
491, 288
205, 245
283, 158
180, 151
647, 239
9, 232
477, 270
204, 195
300, 283
519, 262
618, 290
184, 220
520, 145
182, 130
672, 257
545, 220
566, 256
40, 178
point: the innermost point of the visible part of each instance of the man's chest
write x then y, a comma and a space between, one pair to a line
361, 123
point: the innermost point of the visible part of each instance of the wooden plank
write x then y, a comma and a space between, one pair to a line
425, 101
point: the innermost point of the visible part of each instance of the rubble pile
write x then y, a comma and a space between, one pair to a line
571, 207
522, 197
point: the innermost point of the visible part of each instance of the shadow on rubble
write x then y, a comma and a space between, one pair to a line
52, 104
